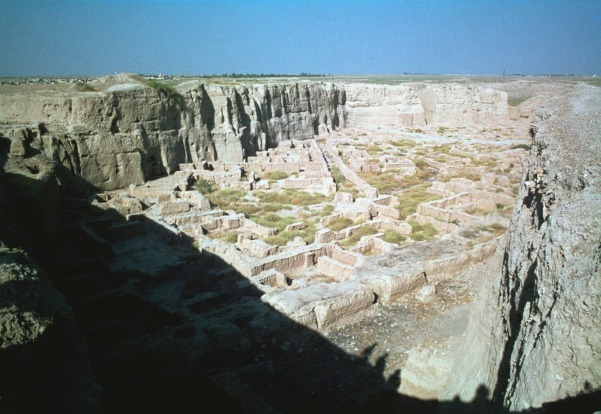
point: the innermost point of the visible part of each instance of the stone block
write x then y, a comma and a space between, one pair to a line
174, 208
295, 226
388, 287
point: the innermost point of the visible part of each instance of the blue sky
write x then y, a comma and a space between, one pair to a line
95, 37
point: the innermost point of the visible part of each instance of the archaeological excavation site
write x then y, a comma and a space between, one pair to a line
345, 245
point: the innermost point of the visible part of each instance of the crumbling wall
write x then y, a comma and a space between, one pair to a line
533, 338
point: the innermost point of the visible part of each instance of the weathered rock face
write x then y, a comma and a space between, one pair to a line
132, 132
383, 105
459, 105
42, 353
417, 105
534, 337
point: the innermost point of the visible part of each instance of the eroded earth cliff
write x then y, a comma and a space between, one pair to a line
299, 247
534, 337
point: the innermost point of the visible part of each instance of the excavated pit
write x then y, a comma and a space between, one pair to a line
347, 298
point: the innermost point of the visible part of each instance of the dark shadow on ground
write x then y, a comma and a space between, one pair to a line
192, 335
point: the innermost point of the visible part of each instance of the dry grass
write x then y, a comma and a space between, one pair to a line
340, 223
225, 198
476, 211
404, 143
394, 237
410, 199
421, 232
276, 175
363, 231
291, 197
496, 228
283, 237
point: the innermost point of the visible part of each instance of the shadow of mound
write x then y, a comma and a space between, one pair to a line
170, 328
173, 329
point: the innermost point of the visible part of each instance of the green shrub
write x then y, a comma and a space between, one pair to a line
521, 146
203, 186
403, 143
421, 232
277, 240
394, 237
420, 163
327, 210
496, 228
410, 199
86, 88
163, 88
293, 197
340, 223
275, 220
385, 182
443, 149
363, 231
374, 150
470, 176
517, 100
283, 237
276, 175
225, 198
231, 238
337, 176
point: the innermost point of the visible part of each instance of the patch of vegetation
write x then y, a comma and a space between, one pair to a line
231, 237
291, 197
420, 232
226, 198
410, 199
517, 100
275, 220
278, 239
163, 88
374, 150
483, 163
276, 175
496, 228
339, 179
394, 237
521, 146
404, 143
442, 149
362, 231
469, 176
327, 210
283, 237
385, 182
85, 88
441, 130
203, 186
476, 211
420, 163
340, 223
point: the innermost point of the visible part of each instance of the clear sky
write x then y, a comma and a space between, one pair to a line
96, 37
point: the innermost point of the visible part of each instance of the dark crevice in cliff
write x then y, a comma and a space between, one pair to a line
512, 351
